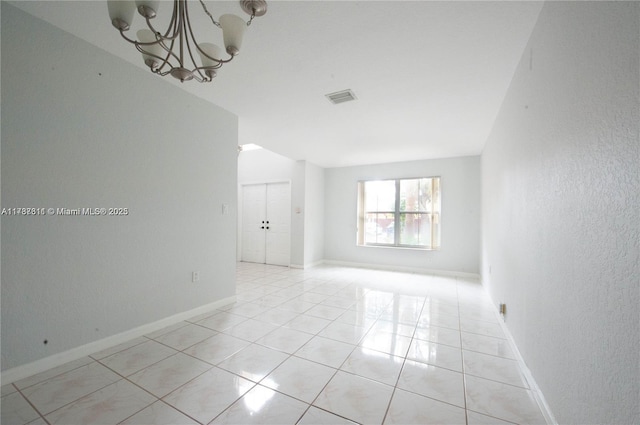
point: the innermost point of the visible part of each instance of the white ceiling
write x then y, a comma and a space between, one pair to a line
429, 76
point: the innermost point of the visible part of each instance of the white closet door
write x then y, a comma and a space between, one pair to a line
266, 223
253, 216
279, 224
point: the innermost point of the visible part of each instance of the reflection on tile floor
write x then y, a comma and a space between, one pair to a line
326, 345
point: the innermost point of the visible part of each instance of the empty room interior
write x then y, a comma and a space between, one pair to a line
398, 212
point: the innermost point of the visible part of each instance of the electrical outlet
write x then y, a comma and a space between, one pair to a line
195, 277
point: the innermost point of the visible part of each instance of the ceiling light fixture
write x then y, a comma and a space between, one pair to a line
172, 52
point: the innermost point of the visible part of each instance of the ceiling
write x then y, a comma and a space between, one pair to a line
429, 76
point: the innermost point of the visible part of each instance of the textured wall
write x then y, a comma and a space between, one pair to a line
560, 202
82, 128
460, 215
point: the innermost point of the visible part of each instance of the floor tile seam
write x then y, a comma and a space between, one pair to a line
202, 360
166, 404
124, 349
112, 369
500, 382
404, 361
436, 342
179, 386
464, 398
15, 389
84, 395
122, 378
162, 399
276, 349
491, 355
285, 394
494, 417
303, 413
308, 332
18, 391
194, 324
464, 375
126, 377
335, 414
244, 339
417, 360
325, 386
433, 398
314, 361
256, 383
181, 350
51, 377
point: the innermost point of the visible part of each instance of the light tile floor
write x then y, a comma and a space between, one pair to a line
327, 345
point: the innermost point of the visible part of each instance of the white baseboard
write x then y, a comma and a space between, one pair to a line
306, 265
419, 270
29, 369
533, 386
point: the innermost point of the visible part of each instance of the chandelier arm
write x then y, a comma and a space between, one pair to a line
158, 34
128, 39
187, 27
161, 40
169, 49
193, 37
165, 60
160, 73
181, 32
172, 23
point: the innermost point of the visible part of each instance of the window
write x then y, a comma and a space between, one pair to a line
400, 213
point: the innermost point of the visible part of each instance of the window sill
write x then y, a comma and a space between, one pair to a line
409, 248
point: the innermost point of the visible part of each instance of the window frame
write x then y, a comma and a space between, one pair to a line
435, 215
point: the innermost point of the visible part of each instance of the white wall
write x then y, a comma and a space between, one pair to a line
460, 215
314, 214
82, 128
560, 202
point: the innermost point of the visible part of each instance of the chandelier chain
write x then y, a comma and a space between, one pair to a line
210, 15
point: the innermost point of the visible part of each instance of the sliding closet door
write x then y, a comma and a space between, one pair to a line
266, 223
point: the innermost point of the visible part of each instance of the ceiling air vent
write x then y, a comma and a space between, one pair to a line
341, 96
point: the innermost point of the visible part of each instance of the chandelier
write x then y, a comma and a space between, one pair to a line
174, 51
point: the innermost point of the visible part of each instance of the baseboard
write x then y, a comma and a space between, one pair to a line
419, 270
20, 372
307, 265
533, 386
